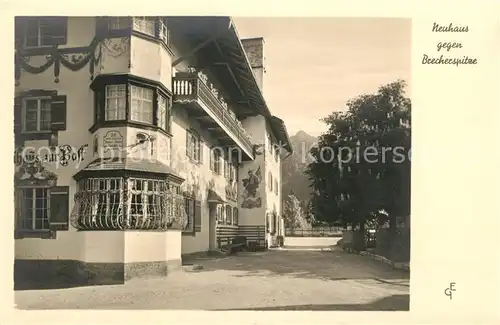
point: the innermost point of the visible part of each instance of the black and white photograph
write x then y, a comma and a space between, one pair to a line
212, 163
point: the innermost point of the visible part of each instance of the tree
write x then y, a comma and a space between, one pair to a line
361, 164
294, 216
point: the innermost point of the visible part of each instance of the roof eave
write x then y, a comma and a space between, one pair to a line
267, 112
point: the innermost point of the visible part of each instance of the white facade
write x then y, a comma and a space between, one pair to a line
110, 93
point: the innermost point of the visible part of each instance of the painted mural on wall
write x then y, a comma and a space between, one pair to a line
251, 197
91, 55
33, 173
258, 149
231, 191
29, 163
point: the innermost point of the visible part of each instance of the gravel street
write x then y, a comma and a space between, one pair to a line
272, 280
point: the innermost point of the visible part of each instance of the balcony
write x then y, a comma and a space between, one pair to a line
209, 108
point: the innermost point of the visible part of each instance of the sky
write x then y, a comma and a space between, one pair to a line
315, 65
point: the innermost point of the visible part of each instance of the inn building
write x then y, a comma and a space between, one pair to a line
139, 140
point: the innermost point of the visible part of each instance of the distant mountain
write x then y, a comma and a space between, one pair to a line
294, 178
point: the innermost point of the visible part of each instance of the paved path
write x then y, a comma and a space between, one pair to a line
273, 280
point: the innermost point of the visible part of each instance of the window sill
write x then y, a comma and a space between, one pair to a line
194, 161
41, 234
188, 232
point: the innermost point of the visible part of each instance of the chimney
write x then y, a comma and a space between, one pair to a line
254, 48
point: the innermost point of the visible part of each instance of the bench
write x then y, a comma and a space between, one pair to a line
255, 237
237, 244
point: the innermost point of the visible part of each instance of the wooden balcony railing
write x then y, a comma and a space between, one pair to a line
194, 87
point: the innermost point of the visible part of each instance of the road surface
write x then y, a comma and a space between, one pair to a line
272, 280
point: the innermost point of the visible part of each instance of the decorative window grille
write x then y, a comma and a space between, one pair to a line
134, 203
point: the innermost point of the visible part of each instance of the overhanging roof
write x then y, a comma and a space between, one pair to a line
222, 32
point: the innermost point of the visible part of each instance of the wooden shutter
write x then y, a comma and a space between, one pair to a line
18, 208
19, 31
59, 208
58, 113
197, 216
201, 146
18, 116
188, 135
57, 28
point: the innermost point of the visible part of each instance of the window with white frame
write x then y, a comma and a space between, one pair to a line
145, 200
233, 176
270, 180
145, 25
141, 104
235, 216
227, 171
163, 112
45, 31
220, 213
163, 32
35, 208
107, 200
37, 114
189, 206
215, 164
193, 146
117, 23
116, 102
229, 214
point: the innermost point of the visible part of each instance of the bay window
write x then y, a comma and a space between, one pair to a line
127, 203
123, 100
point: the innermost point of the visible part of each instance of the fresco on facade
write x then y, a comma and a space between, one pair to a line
251, 197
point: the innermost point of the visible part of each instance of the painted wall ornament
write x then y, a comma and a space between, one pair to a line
231, 191
33, 173
75, 60
251, 197
258, 149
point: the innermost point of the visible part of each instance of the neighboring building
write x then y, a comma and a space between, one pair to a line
139, 140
